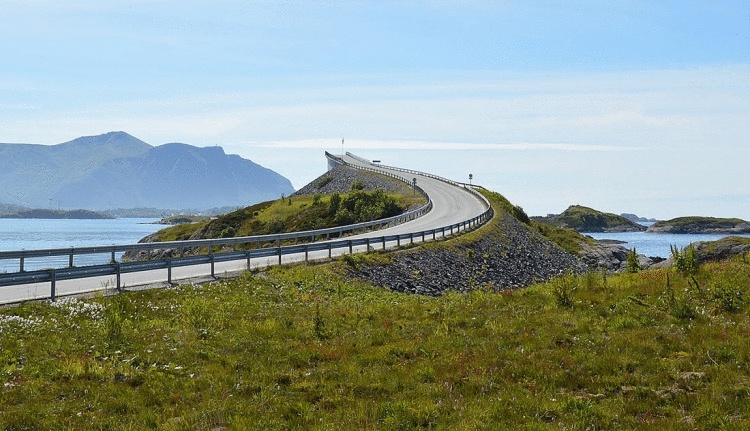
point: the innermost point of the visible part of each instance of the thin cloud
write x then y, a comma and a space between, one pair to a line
423, 145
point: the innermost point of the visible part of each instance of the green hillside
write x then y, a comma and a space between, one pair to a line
297, 213
585, 219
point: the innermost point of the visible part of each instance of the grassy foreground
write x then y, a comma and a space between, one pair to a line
303, 348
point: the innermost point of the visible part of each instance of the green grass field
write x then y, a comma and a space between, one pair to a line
303, 347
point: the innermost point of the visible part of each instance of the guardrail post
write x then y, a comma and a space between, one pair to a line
21, 264
52, 293
350, 246
398, 240
367, 241
279, 250
307, 248
117, 270
411, 238
383, 238
247, 256
112, 259
169, 271
329, 250
70, 259
212, 265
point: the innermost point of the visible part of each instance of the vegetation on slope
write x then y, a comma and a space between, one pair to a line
584, 219
298, 213
304, 348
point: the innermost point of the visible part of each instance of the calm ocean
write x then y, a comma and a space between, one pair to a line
655, 244
27, 234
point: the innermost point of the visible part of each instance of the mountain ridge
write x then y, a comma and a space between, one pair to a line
117, 170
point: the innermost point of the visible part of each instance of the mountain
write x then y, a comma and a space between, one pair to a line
584, 219
116, 170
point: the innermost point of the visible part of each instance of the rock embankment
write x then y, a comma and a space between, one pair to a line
341, 178
507, 255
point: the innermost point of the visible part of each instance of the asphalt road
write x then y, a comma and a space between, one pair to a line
451, 204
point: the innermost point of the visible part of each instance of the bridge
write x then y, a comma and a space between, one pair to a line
451, 208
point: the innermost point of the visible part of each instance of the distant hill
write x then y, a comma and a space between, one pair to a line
57, 214
11, 209
584, 219
638, 219
116, 170
694, 225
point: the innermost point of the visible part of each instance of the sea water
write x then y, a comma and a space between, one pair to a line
656, 244
33, 234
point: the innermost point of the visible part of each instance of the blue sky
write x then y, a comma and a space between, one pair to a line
625, 106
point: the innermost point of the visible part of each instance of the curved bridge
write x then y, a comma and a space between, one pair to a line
451, 208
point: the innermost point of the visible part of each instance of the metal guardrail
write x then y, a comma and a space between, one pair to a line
114, 268
470, 188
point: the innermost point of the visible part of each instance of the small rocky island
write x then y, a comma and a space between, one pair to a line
701, 225
585, 219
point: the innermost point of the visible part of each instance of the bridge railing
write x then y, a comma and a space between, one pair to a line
374, 168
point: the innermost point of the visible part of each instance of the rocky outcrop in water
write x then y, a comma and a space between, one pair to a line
700, 225
584, 219
612, 256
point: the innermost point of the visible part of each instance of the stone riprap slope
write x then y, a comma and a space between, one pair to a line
503, 255
341, 178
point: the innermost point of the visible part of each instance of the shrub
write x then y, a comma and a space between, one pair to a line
685, 260
563, 288
324, 181
357, 185
334, 203
631, 262
521, 215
